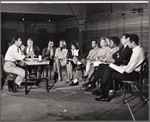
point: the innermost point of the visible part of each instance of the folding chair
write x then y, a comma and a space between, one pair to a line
138, 83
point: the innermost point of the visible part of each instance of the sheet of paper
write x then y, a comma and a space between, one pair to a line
96, 63
117, 68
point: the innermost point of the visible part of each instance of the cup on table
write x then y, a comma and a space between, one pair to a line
40, 57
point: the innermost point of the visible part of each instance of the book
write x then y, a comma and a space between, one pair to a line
117, 68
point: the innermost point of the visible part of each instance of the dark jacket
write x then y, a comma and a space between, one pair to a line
122, 56
36, 50
46, 53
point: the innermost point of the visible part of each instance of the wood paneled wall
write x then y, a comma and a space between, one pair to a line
117, 25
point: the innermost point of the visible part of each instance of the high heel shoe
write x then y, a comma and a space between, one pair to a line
84, 76
74, 84
86, 84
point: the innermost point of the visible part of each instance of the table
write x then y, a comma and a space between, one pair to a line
35, 62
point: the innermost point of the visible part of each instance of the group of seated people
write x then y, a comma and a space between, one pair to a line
97, 64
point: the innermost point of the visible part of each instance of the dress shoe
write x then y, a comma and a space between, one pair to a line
16, 88
107, 99
74, 84
90, 88
102, 97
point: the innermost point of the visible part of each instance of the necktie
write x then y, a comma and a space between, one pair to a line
123, 48
51, 52
18, 50
29, 50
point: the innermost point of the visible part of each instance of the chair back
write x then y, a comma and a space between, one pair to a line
143, 67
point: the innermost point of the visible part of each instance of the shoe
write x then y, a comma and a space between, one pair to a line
90, 88
16, 88
74, 84
102, 97
86, 84
107, 99
69, 81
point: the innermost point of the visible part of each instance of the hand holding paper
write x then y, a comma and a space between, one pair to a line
117, 68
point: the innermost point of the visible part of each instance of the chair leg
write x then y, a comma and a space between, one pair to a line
140, 91
124, 93
50, 71
129, 87
114, 86
14, 85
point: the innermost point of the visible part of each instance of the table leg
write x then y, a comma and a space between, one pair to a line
26, 79
47, 79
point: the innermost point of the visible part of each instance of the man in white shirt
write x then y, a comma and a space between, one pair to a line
130, 71
13, 55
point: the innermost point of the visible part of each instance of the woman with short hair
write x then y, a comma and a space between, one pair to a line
74, 59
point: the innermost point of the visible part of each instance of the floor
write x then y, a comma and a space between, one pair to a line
71, 103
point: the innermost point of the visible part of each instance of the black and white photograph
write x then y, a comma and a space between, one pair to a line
74, 61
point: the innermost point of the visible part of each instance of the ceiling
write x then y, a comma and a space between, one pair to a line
33, 17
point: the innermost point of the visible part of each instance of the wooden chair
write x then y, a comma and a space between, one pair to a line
127, 83
12, 77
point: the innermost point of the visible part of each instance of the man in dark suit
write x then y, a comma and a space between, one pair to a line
47, 54
32, 51
121, 57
